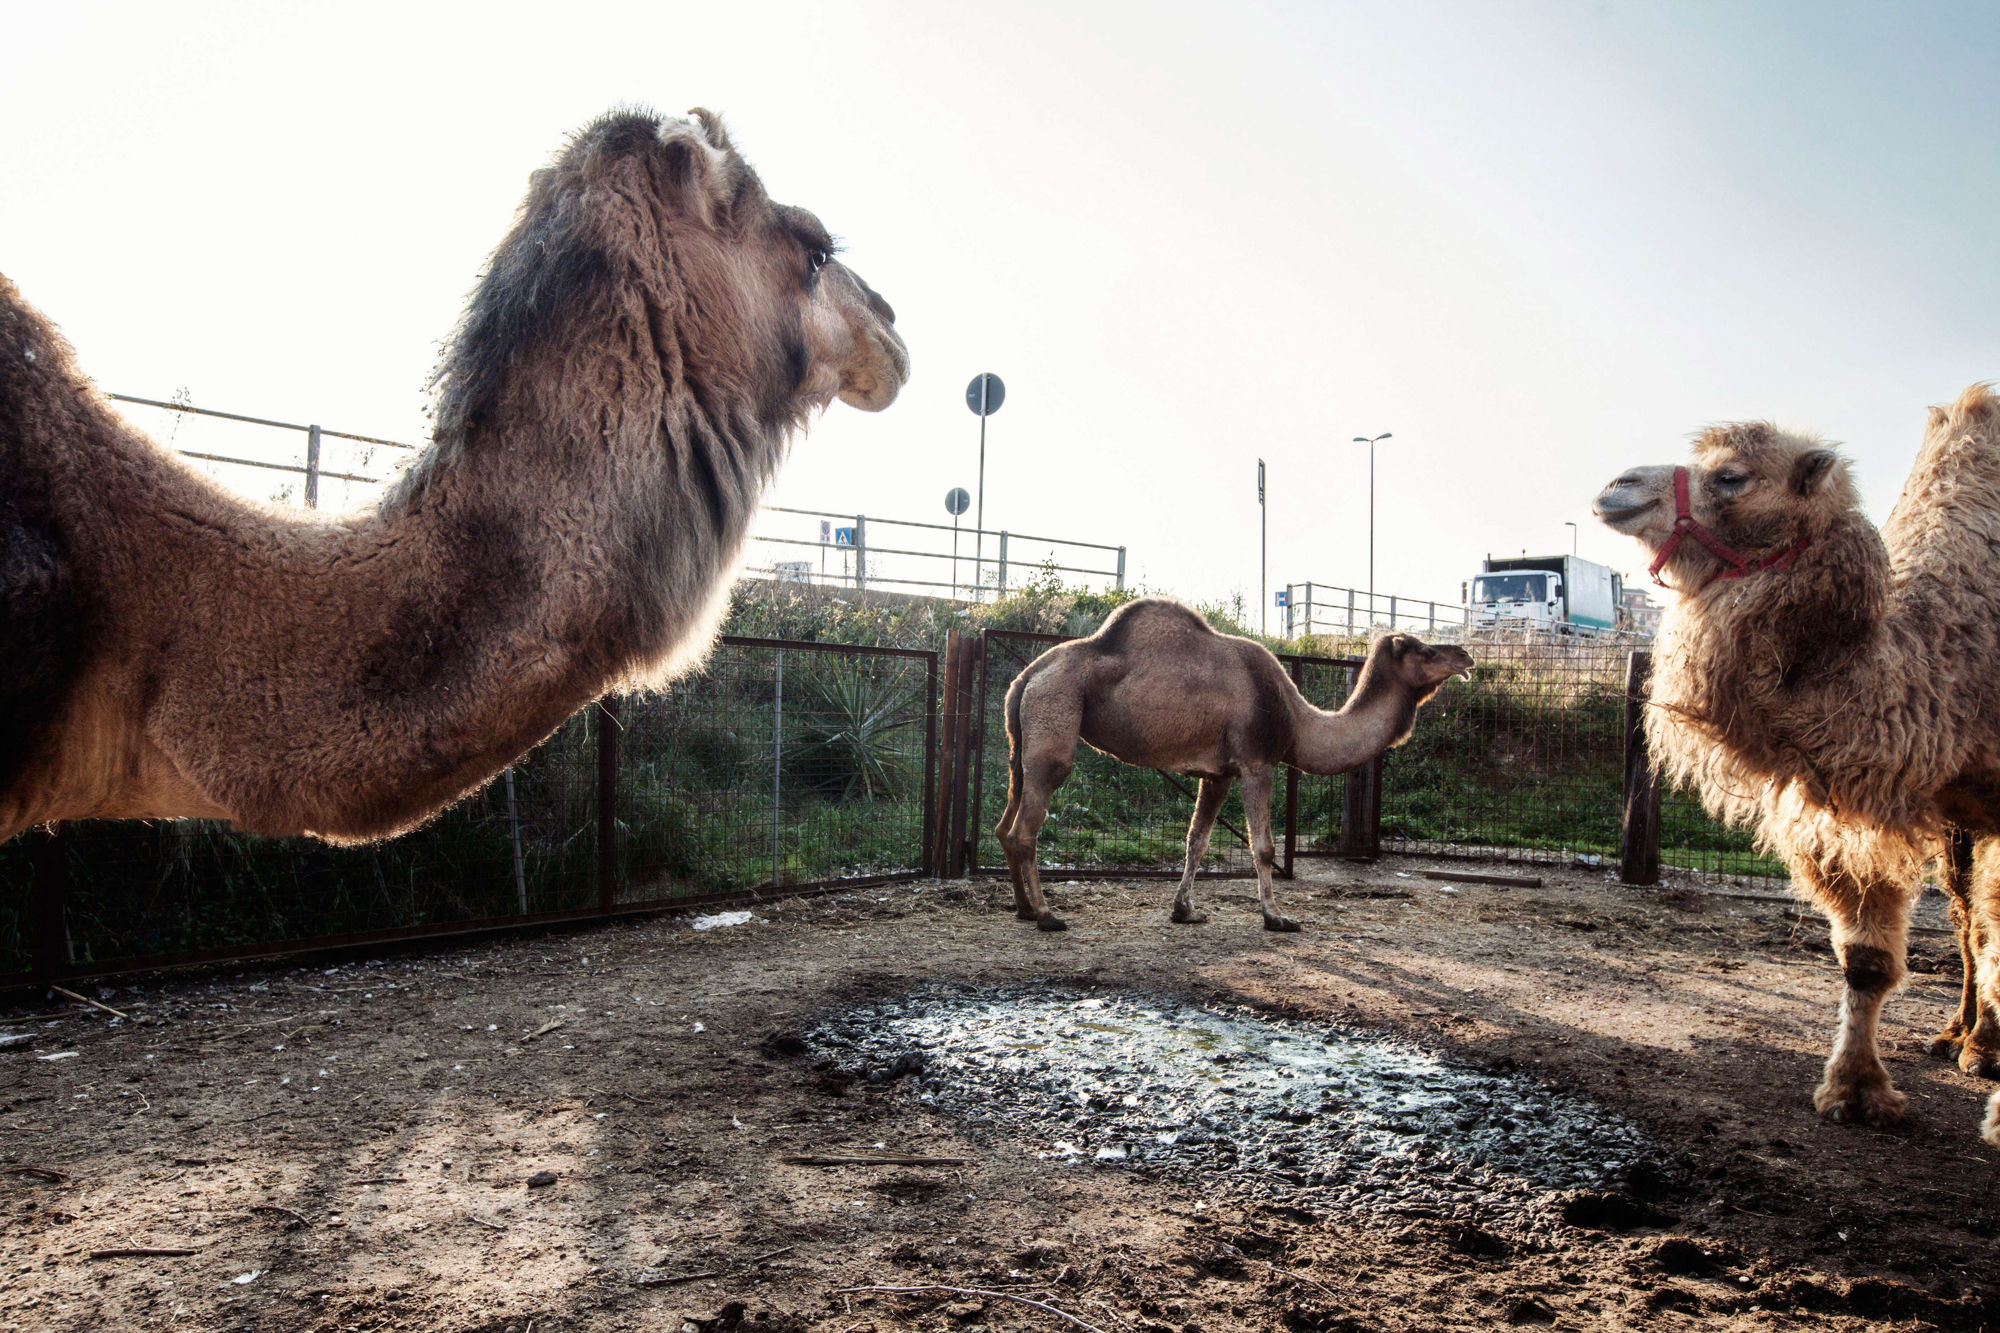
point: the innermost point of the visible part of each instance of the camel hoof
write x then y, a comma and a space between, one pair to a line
1947, 1044
1875, 1105
1050, 921
1026, 914
1187, 916
1979, 1062
1279, 923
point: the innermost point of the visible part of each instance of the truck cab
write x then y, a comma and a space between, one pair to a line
1544, 591
1523, 597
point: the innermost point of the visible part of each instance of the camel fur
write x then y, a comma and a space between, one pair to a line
1849, 704
1156, 686
630, 368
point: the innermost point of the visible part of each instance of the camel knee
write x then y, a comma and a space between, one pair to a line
1869, 969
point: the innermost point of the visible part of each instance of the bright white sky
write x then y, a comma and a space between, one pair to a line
1539, 242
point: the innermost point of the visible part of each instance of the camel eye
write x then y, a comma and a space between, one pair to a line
1731, 479
817, 257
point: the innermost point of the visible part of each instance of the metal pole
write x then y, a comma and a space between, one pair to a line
860, 552
777, 758
1121, 569
979, 519
1003, 562
312, 467
954, 555
1263, 551
1371, 532
514, 830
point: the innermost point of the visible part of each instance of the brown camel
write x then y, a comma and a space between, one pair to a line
1157, 687
1840, 688
627, 375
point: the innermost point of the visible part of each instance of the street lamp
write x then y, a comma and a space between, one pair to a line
1573, 530
1370, 442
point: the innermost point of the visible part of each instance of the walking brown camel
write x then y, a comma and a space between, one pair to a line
1840, 688
628, 373
1157, 687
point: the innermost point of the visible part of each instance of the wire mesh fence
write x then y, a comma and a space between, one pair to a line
777, 767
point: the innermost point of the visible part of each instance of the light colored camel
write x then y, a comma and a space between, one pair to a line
629, 370
1157, 687
1840, 688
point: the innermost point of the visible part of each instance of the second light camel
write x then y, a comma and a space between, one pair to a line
1839, 688
641, 350
1157, 687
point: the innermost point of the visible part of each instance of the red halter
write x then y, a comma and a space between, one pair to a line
1739, 566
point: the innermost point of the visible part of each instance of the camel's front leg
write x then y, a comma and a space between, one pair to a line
1870, 928
1207, 805
1979, 1056
1263, 852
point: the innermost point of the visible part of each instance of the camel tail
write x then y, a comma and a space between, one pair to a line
1013, 719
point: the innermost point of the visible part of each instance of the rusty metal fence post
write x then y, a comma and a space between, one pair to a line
949, 789
969, 763
607, 803
1639, 850
1361, 813
51, 930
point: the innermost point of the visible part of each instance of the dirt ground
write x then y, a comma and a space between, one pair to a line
351, 1143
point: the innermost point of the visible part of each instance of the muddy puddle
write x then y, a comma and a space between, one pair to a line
1342, 1119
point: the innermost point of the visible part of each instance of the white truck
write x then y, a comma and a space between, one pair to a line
1545, 591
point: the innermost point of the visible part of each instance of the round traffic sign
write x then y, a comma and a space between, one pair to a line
957, 500
985, 394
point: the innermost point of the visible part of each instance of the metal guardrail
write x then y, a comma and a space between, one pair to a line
850, 542
1324, 608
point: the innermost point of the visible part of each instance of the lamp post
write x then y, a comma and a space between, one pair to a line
1573, 530
1370, 442
1263, 549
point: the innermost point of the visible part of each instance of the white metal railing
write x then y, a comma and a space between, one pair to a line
842, 551
854, 550
1323, 608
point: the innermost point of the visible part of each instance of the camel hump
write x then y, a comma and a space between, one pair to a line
1145, 621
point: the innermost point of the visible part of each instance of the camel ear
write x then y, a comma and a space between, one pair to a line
1811, 470
702, 170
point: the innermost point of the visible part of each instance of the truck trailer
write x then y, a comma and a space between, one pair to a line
1545, 591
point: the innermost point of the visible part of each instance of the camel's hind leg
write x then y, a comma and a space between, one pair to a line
1263, 851
1979, 1055
1004, 832
1870, 921
1985, 915
1207, 805
1957, 883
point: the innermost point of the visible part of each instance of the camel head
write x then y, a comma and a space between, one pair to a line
657, 227
1419, 668
1759, 492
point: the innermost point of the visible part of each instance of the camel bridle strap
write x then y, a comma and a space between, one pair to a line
1737, 564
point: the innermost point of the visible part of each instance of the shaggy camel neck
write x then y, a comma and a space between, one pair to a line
1379, 713
382, 664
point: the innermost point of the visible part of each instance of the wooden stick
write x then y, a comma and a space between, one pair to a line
142, 1252
859, 1159
993, 1295
772, 1255
549, 1026
669, 1280
84, 999
475, 1217
1468, 877
45, 1172
275, 1208
383, 1180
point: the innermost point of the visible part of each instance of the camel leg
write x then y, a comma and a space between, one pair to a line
1041, 773
1004, 832
1870, 928
1949, 1041
1986, 939
1207, 805
1263, 851
1980, 1054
